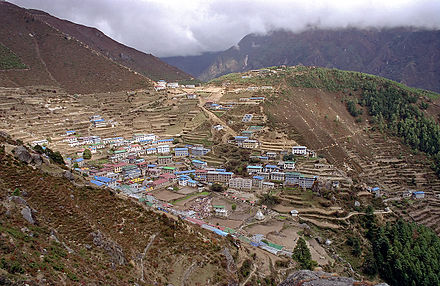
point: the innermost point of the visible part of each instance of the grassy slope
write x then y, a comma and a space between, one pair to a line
8, 60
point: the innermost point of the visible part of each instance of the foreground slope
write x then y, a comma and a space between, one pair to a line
53, 233
138, 61
53, 58
402, 54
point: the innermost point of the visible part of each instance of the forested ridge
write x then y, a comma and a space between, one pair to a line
403, 253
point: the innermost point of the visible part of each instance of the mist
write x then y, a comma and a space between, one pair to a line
180, 28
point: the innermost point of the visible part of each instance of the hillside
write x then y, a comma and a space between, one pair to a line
55, 232
54, 59
143, 63
337, 114
401, 54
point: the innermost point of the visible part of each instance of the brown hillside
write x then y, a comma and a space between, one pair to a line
56, 59
145, 64
92, 236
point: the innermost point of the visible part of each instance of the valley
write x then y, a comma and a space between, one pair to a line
167, 149
118, 168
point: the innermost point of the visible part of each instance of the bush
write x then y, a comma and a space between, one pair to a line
87, 154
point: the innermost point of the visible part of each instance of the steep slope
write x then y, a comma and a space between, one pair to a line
311, 107
405, 55
52, 58
138, 61
55, 233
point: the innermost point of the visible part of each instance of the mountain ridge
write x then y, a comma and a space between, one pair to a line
405, 55
143, 63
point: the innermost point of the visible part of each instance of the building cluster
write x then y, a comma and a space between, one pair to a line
163, 85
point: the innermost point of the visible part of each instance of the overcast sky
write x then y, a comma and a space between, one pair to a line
170, 28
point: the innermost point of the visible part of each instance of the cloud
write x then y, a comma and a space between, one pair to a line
178, 27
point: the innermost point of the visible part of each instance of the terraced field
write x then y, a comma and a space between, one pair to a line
40, 113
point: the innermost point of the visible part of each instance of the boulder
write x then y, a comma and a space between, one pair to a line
37, 160
22, 154
26, 212
68, 175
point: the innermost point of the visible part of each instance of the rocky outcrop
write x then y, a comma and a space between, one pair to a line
320, 278
113, 249
22, 154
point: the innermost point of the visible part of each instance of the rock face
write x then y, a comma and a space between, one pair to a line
320, 278
113, 249
68, 175
22, 154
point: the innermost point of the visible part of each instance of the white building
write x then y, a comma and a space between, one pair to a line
299, 150
240, 183
172, 85
289, 165
163, 149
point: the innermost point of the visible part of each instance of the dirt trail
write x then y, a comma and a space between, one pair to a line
37, 50
228, 130
145, 253
250, 275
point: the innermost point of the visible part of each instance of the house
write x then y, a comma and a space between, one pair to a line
250, 144
163, 149
199, 164
134, 148
99, 123
164, 160
271, 155
109, 182
418, 195
299, 150
192, 183
159, 183
239, 140
268, 185
220, 210
117, 168
288, 165
277, 176
218, 127
240, 183
199, 151
253, 169
218, 176
181, 152
152, 150
169, 176
294, 213
40, 142
139, 137
183, 180
131, 172
247, 118
304, 181
257, 181
201, 174
172, 85
271, 168
167, 169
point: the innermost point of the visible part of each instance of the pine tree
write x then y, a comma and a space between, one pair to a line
302, 255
